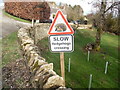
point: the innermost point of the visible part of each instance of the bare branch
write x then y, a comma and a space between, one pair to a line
113, 5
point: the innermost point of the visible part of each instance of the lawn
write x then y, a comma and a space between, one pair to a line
80, 67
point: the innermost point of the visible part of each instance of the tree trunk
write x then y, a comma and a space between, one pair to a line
100, 27
118, 18
98, 39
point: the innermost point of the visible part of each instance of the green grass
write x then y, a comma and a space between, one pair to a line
81, 68
15, 18
10, 49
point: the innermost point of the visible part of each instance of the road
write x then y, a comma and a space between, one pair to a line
9, 25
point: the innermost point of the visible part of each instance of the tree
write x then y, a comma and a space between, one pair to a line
74, 13
70, 12
100, 24
111, 24
78, 12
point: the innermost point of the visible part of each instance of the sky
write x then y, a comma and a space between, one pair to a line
83, 3
1, 1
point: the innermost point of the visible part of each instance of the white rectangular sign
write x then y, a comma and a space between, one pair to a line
61, 43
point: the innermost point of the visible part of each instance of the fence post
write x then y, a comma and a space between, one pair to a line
90, 82
106, 67
88, 55
69, 66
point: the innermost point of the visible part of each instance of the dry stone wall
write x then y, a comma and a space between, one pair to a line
40, 31
42, 72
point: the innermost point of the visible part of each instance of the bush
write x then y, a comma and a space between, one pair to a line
111, 24
28, 10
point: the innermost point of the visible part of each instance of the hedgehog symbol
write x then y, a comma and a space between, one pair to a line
60, 27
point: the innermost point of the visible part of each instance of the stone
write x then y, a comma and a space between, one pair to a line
41, 58
45, 67
27, 47
43, 76
63, 88
54, 81
27, 41
41, 62
33, 56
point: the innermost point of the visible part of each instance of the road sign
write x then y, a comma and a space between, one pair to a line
60, 38
61, 43
60, 25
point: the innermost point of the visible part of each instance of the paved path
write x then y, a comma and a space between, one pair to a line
9, 25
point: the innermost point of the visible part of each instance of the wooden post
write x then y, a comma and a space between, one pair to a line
34, 31
32, 22
35, 36
62, 66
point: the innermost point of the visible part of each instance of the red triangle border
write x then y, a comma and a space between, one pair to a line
59, 12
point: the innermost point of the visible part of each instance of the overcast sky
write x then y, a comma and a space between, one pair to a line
1, 1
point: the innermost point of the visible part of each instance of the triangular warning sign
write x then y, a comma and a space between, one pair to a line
60, 25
